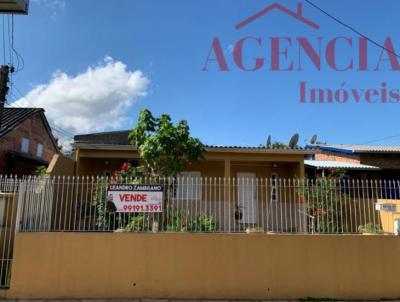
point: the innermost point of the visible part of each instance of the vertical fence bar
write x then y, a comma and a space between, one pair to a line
261, 188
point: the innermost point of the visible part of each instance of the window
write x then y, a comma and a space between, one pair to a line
39, 150
189, 186
274, 187
25, 145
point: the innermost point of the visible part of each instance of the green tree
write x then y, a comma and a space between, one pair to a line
164, 148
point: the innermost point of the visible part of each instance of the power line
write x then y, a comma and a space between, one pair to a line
62, 133
4, 43
8, 45
352, 28
368, 39
381, 139
20, 59
65, 132
9, 41
59, 129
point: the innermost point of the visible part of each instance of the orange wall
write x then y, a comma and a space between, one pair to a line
204, 266
95, 163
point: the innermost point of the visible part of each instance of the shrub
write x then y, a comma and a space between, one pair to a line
204, 223
176, 221
324, 204
138, 223
370, 228
179, 221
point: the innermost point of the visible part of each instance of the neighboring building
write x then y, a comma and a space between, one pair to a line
26, 141
104, 153
363, 162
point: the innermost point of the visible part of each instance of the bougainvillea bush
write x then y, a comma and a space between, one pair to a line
324, 204
106, 217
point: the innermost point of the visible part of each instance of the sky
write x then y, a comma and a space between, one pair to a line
93, 65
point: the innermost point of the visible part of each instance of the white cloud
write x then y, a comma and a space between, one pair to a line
95, 100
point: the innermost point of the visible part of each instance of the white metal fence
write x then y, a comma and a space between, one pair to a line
9, 188
323, 206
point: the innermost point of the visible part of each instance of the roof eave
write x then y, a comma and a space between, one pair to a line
84, 146
344, 168
260, 151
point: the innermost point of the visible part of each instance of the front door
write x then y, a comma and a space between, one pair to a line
247, 197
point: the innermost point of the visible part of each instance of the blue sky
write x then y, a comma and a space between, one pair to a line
168, 41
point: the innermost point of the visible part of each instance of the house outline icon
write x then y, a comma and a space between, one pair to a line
297, 15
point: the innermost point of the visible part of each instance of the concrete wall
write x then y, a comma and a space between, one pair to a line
208, 266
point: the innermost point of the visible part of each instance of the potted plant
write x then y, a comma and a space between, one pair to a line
238, 213
252, 230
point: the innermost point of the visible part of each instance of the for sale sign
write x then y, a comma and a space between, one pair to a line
129, 198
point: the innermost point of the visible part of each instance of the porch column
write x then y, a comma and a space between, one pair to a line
301, 172
77, 160
227, 173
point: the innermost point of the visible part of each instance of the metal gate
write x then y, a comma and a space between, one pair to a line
27, 200
9, 188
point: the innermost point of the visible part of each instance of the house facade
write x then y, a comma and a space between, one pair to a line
235, 185
104, 153
26, 141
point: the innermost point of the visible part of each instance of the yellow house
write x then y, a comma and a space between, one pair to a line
104, 153
238, 186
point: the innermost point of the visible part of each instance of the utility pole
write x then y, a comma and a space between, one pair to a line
4, 71
9, 7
